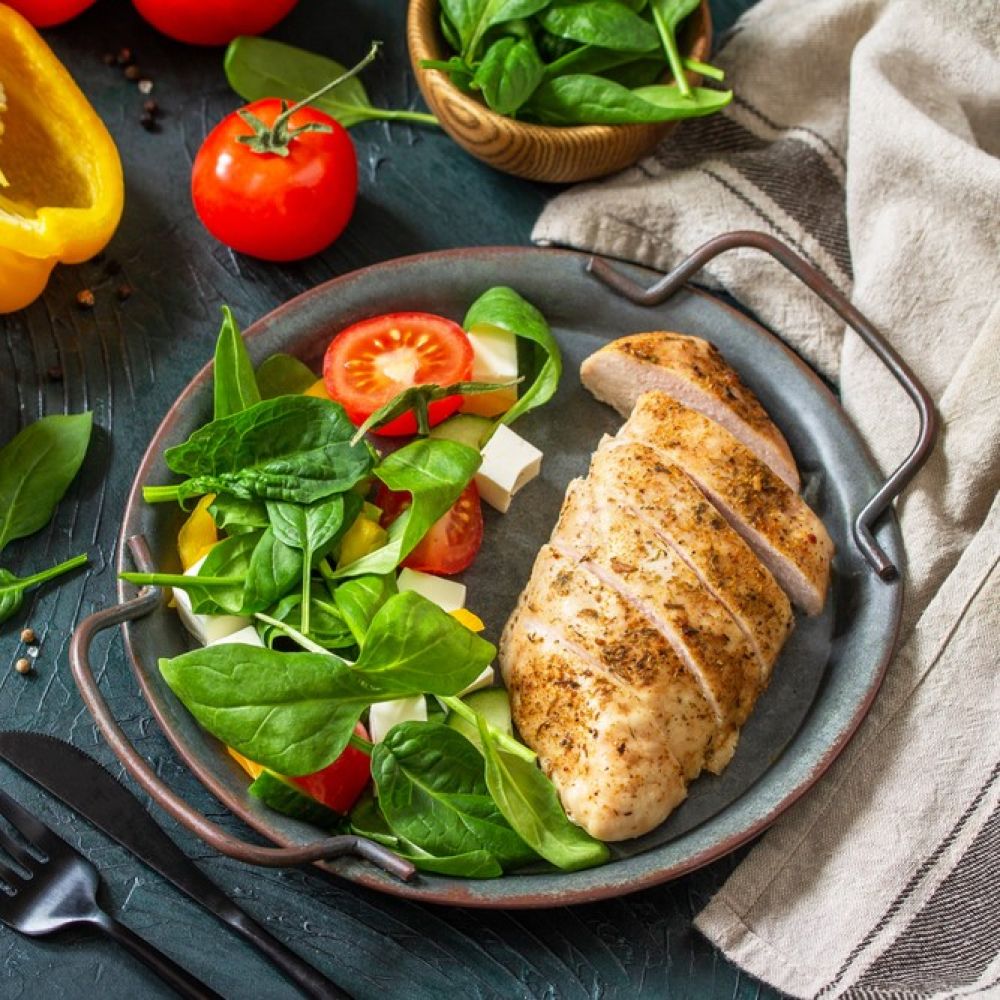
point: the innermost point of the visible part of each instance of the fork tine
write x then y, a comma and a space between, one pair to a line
32, 829
11, 877
17, 851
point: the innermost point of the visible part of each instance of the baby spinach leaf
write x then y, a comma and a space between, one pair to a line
434, 472
235, 514
433, 793
502, 307
591, 59
228, 560
473, 18
260, 67
283, 375
359, 599
667, 16
235, 385
509, 73
607, 23
13, 588
294, 448
36, 468
701, 101
326, 624
275, 568
529, 802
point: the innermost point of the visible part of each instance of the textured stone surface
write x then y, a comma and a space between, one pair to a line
127, 361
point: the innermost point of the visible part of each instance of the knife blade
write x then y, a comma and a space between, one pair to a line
87, 787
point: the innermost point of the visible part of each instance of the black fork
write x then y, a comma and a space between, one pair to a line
60, 890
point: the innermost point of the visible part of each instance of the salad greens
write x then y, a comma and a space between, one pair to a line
235, 385
575, 62
36, 468
283, 375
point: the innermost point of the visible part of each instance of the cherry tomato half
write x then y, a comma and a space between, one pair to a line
270, 206
212, 22
372, 361
46, 13
339, 784
452, 542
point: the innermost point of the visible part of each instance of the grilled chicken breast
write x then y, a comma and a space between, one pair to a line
693, 372
774, 520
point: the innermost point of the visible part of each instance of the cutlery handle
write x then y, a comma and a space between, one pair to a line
178, 978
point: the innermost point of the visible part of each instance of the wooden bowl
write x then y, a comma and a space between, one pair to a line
537, 152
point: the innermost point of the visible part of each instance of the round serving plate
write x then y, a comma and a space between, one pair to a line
827, 675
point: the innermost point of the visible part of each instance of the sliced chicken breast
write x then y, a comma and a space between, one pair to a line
693, 372
775, 521
666, 500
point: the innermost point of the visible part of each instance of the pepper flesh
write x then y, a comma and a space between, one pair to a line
64, 192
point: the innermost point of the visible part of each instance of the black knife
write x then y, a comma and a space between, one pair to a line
88, 788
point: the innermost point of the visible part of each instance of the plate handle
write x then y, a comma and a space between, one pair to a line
185, 814
816, 282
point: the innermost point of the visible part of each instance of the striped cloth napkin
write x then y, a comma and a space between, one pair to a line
865, 134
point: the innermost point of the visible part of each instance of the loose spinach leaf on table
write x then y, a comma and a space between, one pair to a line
260, 67
434, 472
294, 448
502, 307
295, 712
359, 599
234, 383
283, 375
529, 802
13, 588
509, 73
36, 468
607, 23
433, 793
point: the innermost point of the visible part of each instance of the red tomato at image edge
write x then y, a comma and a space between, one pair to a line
212, 22
339, 784
275, 207
46, 13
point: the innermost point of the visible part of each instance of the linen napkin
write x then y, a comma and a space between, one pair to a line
865, 133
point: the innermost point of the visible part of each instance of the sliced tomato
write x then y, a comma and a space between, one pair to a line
372, 361
453, 540
339, 785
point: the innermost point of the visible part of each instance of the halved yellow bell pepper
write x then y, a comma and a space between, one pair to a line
61, 192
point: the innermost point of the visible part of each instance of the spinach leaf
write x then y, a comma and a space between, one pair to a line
640, 73
529, 802
509, 73
667, 16
294, 448
295, 712
283, 375
591, 59
434, 472
359, 599
473, 18
432, 792
275, 568
234, 382
229, 561
327, 626
702, 101
260, 67
607, 23
502, 307
36, 468
13, 588
235, 514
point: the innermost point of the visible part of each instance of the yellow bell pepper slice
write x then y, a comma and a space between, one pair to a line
318, 388
362, 537
62, 191
198, 533
472, 622
251, 767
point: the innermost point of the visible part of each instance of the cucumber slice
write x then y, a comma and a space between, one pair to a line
465, 428
282, 797
493, 705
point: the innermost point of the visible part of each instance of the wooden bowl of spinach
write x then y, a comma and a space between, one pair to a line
562, 90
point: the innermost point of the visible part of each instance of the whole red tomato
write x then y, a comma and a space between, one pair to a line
212, 22
45, 13
272, 206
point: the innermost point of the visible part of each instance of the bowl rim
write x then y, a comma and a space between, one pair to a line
424, 42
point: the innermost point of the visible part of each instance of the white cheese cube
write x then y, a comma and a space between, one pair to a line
448, 595
245, 637
494, 360
383, 715
509, 462
205, 628
484, 680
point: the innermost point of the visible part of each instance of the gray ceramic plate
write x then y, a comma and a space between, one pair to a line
825, 679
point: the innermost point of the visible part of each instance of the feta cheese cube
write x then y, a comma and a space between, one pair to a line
509, 462
449, 595
494, 360
245, 637
205, 628
383, 715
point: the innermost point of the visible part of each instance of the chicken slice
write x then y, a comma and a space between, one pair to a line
664, 498
776, 522
597, 742
693, 372
628, 557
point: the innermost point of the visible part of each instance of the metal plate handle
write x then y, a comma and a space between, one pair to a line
185, 814
816, 282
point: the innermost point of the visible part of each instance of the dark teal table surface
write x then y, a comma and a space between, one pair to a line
127, 362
